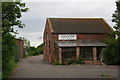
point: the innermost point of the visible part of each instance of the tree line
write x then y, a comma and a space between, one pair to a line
32, 51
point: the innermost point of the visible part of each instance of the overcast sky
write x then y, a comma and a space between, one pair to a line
39, 10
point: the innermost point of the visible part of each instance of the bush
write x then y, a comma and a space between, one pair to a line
8, 50
80, 60
10, 66
32, 51
56, 63
69, 61
63, 63
112, 54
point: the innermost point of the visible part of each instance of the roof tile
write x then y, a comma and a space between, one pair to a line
79, 25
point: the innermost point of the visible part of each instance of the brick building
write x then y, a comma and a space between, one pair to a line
68, 38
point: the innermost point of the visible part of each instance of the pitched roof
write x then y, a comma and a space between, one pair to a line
79, 25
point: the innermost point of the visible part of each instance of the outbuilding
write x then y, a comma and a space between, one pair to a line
69, 38
20, 48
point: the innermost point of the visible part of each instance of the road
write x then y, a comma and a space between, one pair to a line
36, 67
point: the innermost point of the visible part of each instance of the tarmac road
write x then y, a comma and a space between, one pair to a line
35, 67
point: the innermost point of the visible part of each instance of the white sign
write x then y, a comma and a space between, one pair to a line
67, 37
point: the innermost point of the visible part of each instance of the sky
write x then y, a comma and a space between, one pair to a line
35, 19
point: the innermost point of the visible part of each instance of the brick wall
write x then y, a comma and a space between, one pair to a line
84, 37
49, 44
20, 45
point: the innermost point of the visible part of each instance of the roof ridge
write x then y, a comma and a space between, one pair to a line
75, 18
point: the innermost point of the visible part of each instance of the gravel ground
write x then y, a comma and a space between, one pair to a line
35, 67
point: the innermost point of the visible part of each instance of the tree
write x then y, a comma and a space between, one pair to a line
112, 51
11, 14
116, 16
32, 51
39, 49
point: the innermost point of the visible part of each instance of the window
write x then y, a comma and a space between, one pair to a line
68, 53
86, 53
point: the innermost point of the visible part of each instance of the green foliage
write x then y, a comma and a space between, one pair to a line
116, 16
112, 51
7, 54
32, 51
15, 53
11, 13
69, 61
63, 63
39, 49
80, 60
56, 63
10, 66
112, 54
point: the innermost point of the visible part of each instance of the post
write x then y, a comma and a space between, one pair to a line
94, 55
60, 55
77, 52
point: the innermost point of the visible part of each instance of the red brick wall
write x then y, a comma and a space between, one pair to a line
84, 37
20, 45
91, 37
49, 44
91, 62
49, 52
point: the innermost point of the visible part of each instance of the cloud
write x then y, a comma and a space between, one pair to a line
35, 38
